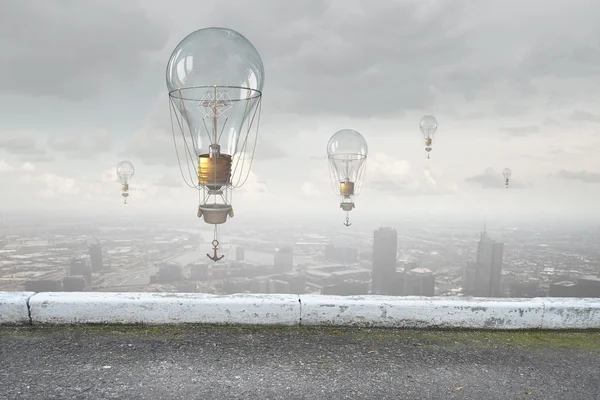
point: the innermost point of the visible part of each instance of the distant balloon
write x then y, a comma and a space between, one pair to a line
125, 171
506, 172
428, 126
347, 153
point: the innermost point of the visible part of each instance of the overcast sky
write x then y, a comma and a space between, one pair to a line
512, 84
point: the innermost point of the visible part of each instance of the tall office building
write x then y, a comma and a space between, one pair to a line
239, 254
484, 277
96, 257
385, 245
419, 282
81, 266
284, 260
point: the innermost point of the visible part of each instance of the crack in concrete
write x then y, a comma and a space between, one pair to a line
29, 309
300, 316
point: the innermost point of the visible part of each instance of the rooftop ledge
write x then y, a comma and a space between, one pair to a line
58, 308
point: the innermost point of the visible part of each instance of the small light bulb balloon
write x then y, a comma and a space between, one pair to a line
506, 172
125, 171
428, 126
347, 154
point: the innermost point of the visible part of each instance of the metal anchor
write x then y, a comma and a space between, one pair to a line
347, 223
214, 257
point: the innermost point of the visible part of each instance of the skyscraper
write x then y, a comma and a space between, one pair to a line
239, 254
96, 257
484, 277
284, 259
419, 282
385, 245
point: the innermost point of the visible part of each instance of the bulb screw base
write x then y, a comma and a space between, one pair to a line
214, 170
346, 188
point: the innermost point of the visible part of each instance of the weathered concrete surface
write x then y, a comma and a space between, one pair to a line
569, 313
260, 309
422, 312
164, 308
295, 363
13, 308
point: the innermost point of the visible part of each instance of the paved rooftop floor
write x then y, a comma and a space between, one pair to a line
110, 362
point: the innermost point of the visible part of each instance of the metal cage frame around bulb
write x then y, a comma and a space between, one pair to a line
217, 211
360, 174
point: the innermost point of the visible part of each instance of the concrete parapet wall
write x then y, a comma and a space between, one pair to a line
563, 313
423, 312
14, 308
163, 308
23, 308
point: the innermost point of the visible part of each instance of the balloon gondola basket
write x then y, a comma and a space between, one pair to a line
347, 206
215, 213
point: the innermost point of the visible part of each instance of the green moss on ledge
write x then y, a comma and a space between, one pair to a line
449, 339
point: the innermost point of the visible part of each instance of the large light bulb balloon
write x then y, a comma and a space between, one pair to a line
347, 154
215, 78
506, 172
125, 171
428, 126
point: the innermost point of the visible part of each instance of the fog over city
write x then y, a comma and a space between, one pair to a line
512, 84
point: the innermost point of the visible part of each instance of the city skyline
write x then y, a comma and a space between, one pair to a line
415, 260
504, 94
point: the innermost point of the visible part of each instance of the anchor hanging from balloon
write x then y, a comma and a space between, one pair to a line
347, 223
214, 257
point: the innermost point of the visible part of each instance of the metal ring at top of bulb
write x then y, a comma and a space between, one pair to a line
256, 93
342, 156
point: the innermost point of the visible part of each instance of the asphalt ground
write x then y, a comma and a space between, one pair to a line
120, 362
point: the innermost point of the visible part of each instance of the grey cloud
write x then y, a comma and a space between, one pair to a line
581, 115
21, 144
405, 188
170, 181
74, 49
26, 146
66, 144
492, 179
154, 147
82, 145
267, 149
558, 152
551, 122
522, 130
387, 58
388, 185
508, 109
564, 56
475, 115
38, 158
583, 176
384, 58
322, 60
